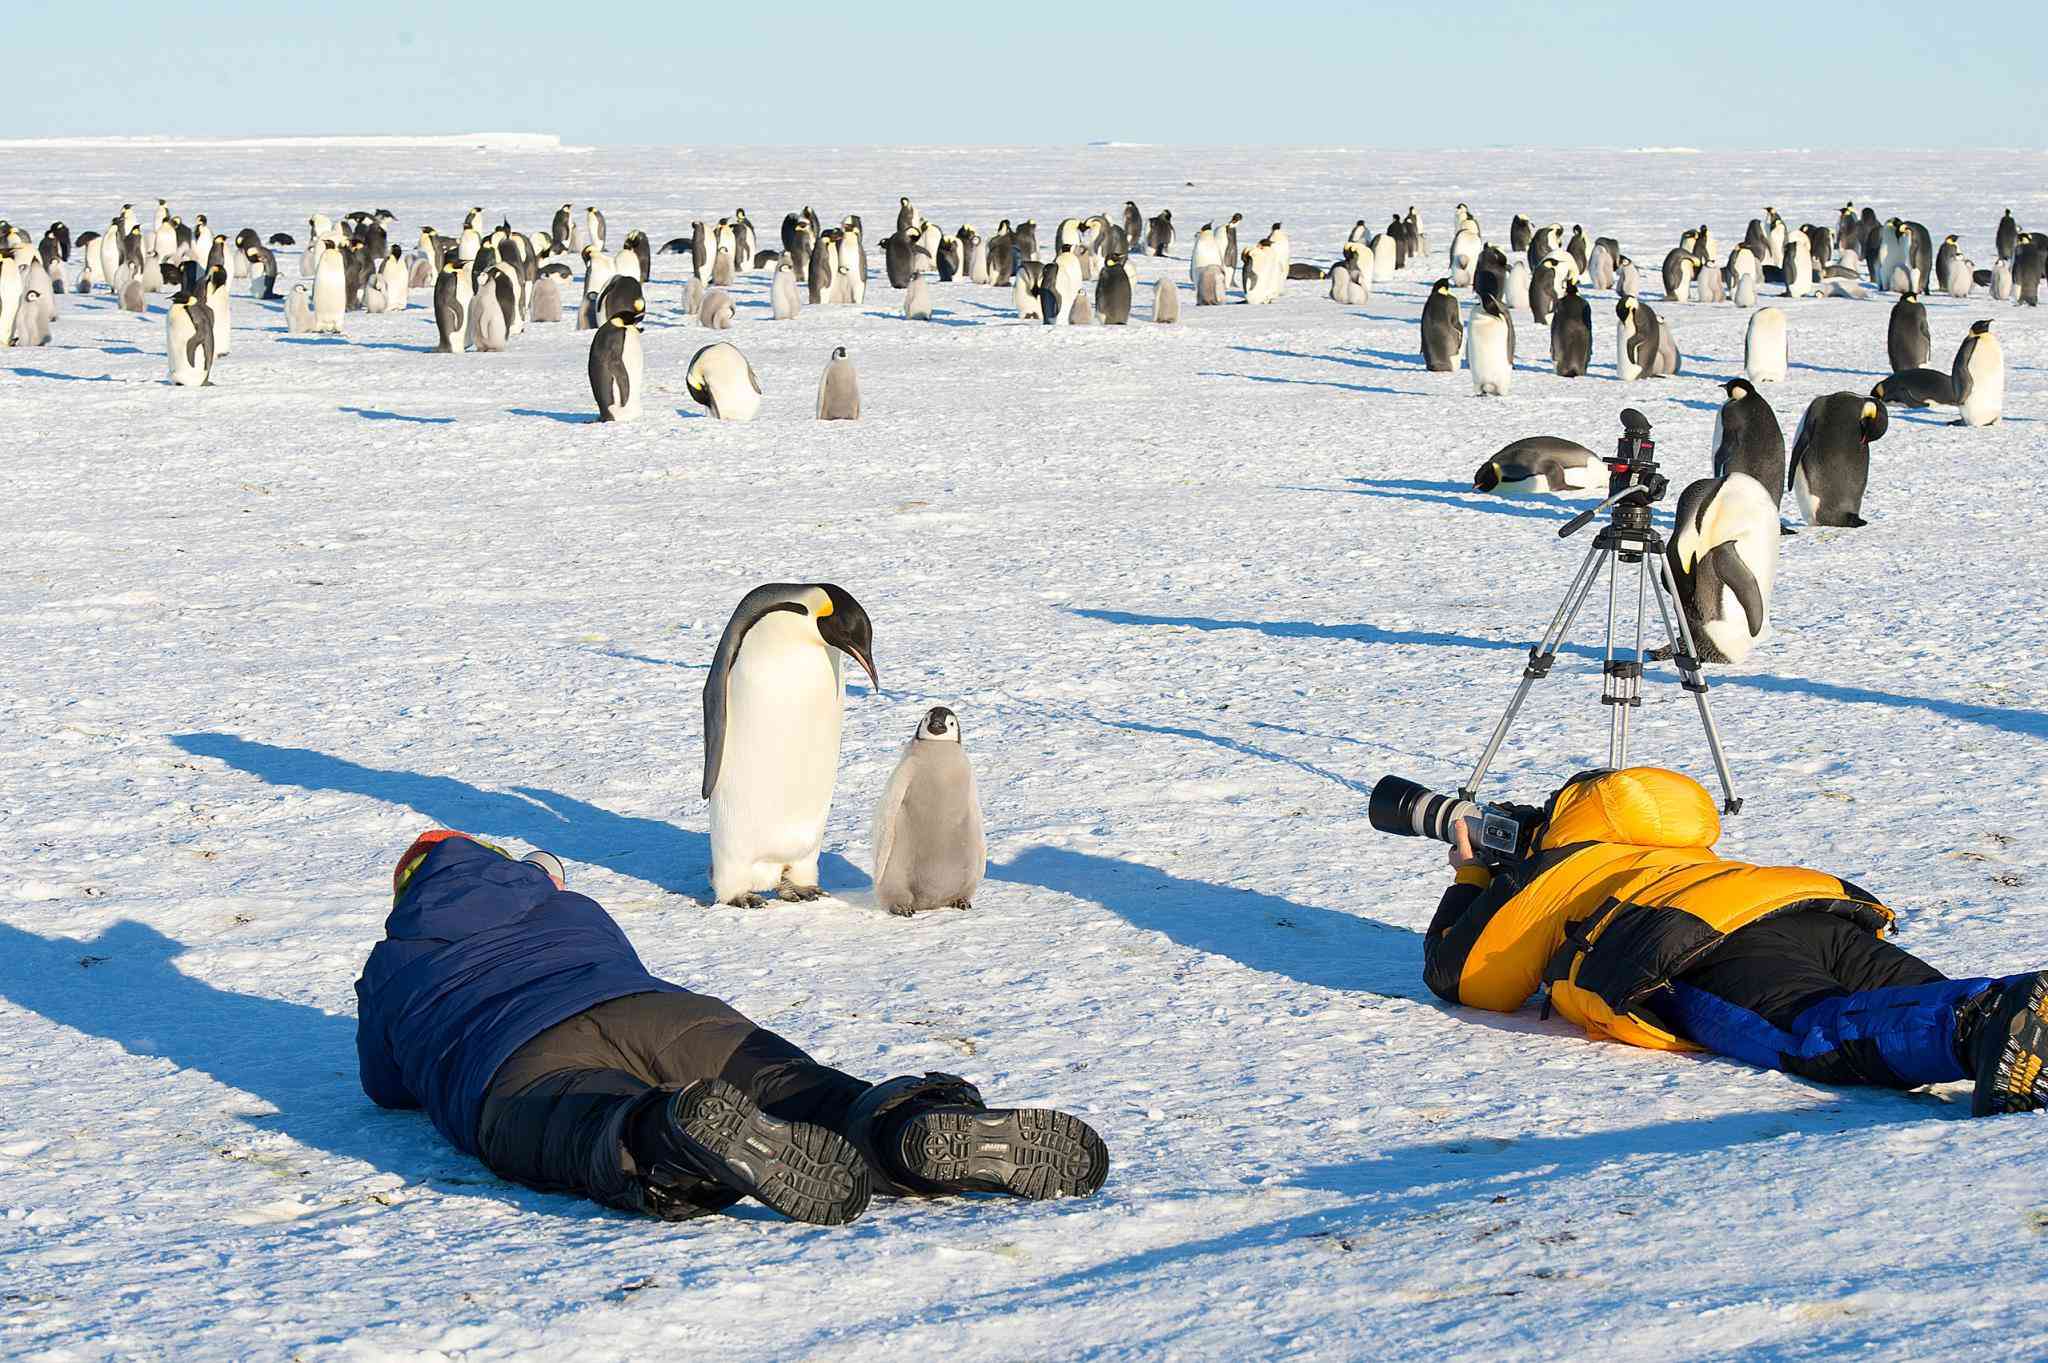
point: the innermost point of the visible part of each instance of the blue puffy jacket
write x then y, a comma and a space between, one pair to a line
480, 955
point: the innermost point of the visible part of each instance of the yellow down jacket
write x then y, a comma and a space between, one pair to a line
1621, 893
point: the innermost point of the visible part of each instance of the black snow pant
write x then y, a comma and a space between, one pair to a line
566, 1112
1813, 994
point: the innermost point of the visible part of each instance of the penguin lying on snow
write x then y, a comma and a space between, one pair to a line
1539, 463
773, 704
1916, 388
1831, 457
1723, 558
930, 848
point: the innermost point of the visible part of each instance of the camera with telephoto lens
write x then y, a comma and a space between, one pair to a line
1409, 809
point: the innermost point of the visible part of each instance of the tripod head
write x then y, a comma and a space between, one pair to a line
1633, 481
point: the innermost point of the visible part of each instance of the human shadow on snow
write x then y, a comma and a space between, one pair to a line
676, 859
295, 1057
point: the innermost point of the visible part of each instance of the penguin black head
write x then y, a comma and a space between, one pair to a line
839, 352
939, 723
1874, 420
1441, 286
1982, 328
845, 626
1878, 391
1738, 388
1488, 477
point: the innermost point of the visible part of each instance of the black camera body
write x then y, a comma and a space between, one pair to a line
1634, 464
1408, 809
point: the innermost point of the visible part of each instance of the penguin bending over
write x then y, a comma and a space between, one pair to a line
1831, 457
1723, 560
1540, 463
773, 707
839, 389
722, 381
1748, 439
616, 366
1443, 330
930, 848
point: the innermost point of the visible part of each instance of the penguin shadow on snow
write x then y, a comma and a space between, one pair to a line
566, 418
299, 1059
1831, 369
1307, 383
1308, 629
1459, 495
677, 860
376, 414
313, 340
30, 373
940, 316
1344, 357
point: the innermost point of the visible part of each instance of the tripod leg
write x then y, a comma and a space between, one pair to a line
1629, 675
1610, 681
1541, 655
1688, 664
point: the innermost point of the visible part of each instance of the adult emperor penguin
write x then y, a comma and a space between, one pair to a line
1763, 346
1979, 375
451, 307
1113, 292
1487, 348
1571, 334
1748, 439
1540, 463
1723, 557
188, 335
2029, 265
216, 294
616, 365
1166, 302
330, 292
2006, 239
930, 848
1907, 340
1443, 331
784, 302
1831, 457
1916, 388
1159, 236
13, 285
593, 226
262, 271
298, 311
772, 712
1635, 340
1206, 251
722, 382
839, 389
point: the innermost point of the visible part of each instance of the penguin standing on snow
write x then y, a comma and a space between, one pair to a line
188, 336
451, 307
1443, 330
1113, 293
773, 706
330, 292
1571, 334
298, 311
1906, 338
616, 365
1636, 340
1166, 302
491, 311
1979, 376
1489, 352
839, 389
1763, 346
1747, 439
784, 303
1723, 558
1831, 457
1540, 463
722, 382
930, 848
1159, 237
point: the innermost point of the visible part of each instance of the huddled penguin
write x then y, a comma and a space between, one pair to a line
930, 848
1540, 463
1443, 329
1831, 457
545, 303
1763, 346
1113, 292
716, 311
1748, 439
1979, 376
1571, 334
298, 311
1907, 339
1165, 302
1489, 350
32, 320
1723, 557
772, 713
616, 366
721, 381
839, 389
188, 335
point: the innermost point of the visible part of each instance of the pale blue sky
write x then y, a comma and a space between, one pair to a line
1878, 73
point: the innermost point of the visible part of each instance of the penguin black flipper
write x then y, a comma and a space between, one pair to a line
1736, 577
754, 607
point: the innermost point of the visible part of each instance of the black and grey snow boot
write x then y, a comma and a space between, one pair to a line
2009, 1046
933, 1136
713, 1130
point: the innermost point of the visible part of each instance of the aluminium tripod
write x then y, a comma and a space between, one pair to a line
1627, 538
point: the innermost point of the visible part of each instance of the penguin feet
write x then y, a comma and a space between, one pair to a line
748, 900
792, 893
962, 904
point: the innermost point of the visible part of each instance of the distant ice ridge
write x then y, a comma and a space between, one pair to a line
1664, 151
486, 141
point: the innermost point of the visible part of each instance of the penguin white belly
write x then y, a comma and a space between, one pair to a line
1730, 634
1486, 355
330, 293
1987, 387
780, 761
1383, 255
1809, 505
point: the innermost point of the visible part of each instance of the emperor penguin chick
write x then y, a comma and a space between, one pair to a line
930, 849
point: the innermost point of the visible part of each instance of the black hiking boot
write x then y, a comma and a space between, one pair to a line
2010, 1047
933, 1136
803, 1171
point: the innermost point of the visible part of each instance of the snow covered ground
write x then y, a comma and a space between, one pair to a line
1191, 589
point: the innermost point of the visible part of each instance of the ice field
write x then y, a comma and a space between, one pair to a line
1191, 589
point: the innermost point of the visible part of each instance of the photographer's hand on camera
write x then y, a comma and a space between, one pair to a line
1461, 854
